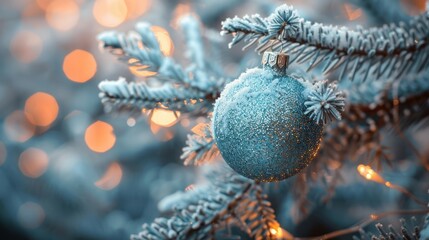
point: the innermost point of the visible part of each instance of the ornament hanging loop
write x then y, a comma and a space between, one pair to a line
276, 61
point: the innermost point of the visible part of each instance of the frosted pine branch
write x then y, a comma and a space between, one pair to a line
325, 103
412, 231
195, 49
167, 92
389, 52
257, 216
120, 93
142, 46
199, 150
202, 220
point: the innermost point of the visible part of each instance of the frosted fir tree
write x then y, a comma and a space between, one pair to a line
276, 122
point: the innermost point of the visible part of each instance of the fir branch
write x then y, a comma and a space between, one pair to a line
324, 102
195, 49
258, 216
202, 220
389, 52
121, 94
358, 227
391, 233
200, 149
142, 46
359, 130
167, 92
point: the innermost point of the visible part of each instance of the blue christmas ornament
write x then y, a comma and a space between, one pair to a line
267, 125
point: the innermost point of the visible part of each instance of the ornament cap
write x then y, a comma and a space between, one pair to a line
276, 61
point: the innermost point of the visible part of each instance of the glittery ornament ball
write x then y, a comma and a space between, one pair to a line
260, 127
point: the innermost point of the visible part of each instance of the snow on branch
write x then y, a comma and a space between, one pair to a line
325, 103
142, 47
390, 51
209, 213
226, 199
200, 148
180, 85
140, 95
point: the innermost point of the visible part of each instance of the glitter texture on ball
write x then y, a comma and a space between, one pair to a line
260, 126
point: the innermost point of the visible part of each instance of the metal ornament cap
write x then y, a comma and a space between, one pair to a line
276, 61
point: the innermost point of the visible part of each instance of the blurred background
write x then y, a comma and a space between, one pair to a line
69, 167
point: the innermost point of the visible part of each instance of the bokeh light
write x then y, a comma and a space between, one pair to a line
62, 15
26, 46
33, 162
31, 215
100, 137
17, 127
139, 70
41, 109
131, 122
414, 7
181, 10
162, 134
110, 13
164, 118
136, 8
164, 40
111, 178
79, 66
43, 4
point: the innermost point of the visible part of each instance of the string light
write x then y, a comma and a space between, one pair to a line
368, 173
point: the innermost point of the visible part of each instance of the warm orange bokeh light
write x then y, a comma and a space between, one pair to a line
162, 134
414, 7
351, 13
139, 70
164, 40
41, 109
111, 178
26, 46
368, 173
33, 162
18, 128
79, 66
62, 14
164, 118
181, 10
110, 13
136, 8
100, 137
